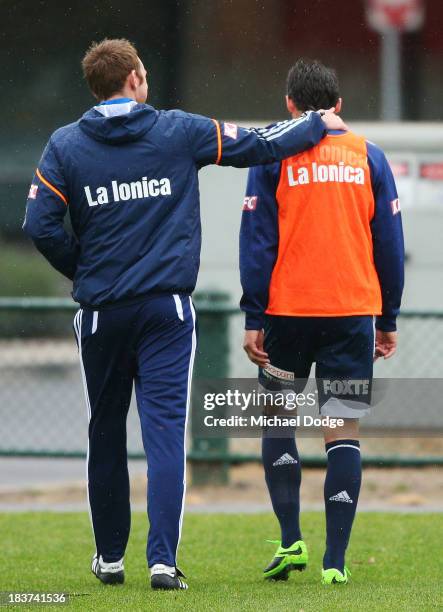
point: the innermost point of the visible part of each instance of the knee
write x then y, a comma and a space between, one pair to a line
348, 431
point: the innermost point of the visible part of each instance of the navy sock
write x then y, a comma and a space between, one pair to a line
283, 477
342, 487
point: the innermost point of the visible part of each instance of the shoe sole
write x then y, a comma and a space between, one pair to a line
111, 579
159, 583
284, 573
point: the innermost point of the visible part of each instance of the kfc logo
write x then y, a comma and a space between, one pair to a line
395, 205
33, 192
250, 203
230, 130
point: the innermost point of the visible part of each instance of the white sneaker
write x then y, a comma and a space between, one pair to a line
108, 573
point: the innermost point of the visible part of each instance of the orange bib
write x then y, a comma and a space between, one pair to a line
325, 265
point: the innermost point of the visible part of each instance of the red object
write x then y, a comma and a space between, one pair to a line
399, 168
432, 171
401, 15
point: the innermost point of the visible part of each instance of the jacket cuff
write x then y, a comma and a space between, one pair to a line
386, 323
254, 321
322, 124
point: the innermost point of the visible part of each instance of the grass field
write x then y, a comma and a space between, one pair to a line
395, 560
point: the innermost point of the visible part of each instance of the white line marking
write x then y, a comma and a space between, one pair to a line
178, 306
343, 446
188, 400
88, 409
94, 321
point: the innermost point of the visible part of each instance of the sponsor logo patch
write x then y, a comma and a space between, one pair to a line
136, 190
395, 205
33, 192
250, 203
230, 130
278, 373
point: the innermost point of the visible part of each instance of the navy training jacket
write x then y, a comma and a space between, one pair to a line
128, 174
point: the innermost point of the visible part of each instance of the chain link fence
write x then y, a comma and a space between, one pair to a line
42, 408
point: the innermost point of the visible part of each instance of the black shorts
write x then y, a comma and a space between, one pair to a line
342, 349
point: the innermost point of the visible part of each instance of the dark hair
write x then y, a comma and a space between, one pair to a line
107, 64
311, 85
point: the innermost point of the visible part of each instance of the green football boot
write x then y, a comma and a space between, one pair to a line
335, 576
286, 560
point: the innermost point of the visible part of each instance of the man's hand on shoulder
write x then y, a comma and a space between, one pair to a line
385, 344
332, 121
253, 345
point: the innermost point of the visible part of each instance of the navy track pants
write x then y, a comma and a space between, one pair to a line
151, 343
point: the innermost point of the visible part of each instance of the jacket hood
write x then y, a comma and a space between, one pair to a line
119, 127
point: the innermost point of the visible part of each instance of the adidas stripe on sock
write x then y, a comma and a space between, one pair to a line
285, 459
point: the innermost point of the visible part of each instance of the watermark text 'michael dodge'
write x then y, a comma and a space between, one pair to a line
272, 421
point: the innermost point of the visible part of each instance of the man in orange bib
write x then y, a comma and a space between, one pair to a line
321, 260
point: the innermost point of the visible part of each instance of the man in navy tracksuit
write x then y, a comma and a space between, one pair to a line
127, 173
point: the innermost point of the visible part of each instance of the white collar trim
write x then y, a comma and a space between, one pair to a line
113, 110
